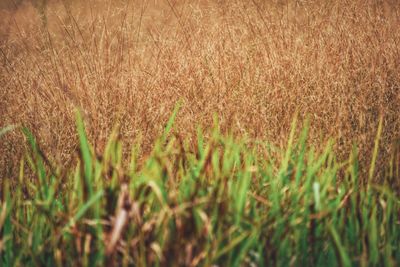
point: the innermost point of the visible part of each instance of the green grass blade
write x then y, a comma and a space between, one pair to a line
85, 153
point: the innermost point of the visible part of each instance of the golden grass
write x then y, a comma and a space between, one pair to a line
253, 63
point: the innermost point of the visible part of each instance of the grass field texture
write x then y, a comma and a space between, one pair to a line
199, 133
224, 204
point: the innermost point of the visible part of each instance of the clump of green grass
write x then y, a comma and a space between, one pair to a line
224, 203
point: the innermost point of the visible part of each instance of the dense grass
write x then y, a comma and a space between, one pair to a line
227, 203
253, 62
247, 190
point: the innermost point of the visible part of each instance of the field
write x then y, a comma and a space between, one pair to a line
211, 133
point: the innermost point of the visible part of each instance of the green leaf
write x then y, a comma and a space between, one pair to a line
170, 122
341, 251
85, 152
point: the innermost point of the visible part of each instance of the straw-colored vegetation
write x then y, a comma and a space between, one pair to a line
251, 189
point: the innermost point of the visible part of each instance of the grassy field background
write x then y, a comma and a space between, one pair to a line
254, 64
227, 203
284, 150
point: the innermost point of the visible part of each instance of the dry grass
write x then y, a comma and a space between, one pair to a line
253, 63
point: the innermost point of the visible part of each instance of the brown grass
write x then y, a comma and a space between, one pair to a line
253, 63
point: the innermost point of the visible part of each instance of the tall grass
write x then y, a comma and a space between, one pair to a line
225, 203
254, 63
145, 193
